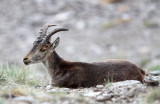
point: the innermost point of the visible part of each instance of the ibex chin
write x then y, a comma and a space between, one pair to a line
78, 74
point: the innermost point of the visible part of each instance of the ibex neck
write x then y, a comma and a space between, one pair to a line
53, 62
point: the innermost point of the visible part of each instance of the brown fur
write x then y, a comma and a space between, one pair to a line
79, 74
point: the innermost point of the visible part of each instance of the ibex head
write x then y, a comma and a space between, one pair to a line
42, 47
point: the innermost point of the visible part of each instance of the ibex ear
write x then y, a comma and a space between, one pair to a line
55, 43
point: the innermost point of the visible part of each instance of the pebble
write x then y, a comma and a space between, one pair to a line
65, 89
152, 83
53, 90
103, 98
91, 94
49, 87
125, 83
25, 98
37, 86
155, 73
100, 86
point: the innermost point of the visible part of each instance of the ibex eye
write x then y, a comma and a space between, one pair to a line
42, 49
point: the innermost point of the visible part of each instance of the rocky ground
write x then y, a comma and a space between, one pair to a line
124, 92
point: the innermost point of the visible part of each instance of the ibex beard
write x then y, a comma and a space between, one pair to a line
78, 74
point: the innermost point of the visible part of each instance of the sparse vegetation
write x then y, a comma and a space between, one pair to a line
14, 74
144, 62
108, 83
151, 24
154, 67
14, 91
153, 97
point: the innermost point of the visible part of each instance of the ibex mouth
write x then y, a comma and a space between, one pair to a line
27, 63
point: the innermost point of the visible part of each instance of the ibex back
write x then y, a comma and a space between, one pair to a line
78, 74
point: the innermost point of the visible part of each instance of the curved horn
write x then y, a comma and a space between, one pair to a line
55, 31
43, 31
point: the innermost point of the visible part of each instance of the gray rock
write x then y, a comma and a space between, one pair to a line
100, 86
152, 83
65, 89
53, 90
90, 94
49, 87
155, 73
25, 98
103, 98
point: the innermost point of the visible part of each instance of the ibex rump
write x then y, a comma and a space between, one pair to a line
78, 74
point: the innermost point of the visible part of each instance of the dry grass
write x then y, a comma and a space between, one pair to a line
15, 74
10, 92
15, 91
154, 67
153, 97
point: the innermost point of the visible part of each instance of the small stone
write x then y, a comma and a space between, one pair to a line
100, 86
48, 91
152, 83
25, 98
103, 98
90, 94
53, 90
49, 87
65, 89
37, 86
155, 73
151, 79
125, 83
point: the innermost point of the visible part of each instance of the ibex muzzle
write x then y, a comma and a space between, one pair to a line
78, 74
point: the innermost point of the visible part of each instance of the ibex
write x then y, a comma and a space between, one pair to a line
78, 74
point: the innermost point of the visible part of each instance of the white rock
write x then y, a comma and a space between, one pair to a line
64, 89
53, 90
125, 83
156, 72
49, 87
155, 78
100, 86
91, 94
25, 98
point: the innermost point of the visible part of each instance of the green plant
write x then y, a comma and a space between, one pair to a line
153, 97
151, 24
154, 67
144, 62
108, 83
15, 74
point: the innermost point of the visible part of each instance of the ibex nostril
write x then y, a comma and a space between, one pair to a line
25, 59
